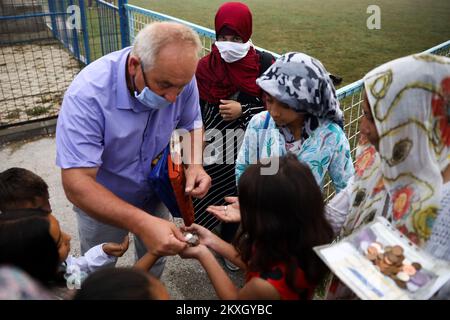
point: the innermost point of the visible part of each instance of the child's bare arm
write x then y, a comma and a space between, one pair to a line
146, 262
222, 284
228, 251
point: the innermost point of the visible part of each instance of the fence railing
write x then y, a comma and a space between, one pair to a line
100, 29
70, 32
101, 22
139, 17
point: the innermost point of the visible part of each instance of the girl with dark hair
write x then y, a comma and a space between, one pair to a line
303, 118
282, 220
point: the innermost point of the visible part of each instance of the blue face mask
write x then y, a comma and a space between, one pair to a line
150, 99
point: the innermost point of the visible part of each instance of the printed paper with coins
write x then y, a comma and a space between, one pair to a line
378, 262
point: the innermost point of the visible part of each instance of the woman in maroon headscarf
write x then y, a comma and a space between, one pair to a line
229, 97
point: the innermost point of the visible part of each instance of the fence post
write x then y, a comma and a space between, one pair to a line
100, 29
52, 9
123, 23
84, 27
61, 7
75, 45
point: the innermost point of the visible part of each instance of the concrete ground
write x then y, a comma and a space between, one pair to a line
184, 279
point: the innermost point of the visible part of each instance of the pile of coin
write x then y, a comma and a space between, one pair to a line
390, 261
191, 238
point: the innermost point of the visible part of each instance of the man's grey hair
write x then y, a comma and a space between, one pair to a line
155, 36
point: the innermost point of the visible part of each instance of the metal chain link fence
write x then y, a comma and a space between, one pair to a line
35, 67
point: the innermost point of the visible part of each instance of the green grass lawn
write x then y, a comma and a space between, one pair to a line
333, 31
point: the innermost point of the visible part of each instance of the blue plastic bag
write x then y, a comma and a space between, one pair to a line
160, 183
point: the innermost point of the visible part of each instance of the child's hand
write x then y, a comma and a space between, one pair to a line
193, 252
228, 213
205, 236
116, 249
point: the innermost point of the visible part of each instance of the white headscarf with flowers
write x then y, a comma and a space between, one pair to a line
410, 103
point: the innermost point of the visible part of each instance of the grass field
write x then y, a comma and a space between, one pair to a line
333, 31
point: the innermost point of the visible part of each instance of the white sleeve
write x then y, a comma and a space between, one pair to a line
93, 259
338, 208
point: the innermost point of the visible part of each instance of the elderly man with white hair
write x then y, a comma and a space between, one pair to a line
116, 118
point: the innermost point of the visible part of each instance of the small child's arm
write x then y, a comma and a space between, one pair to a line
146, 262
95, 258
222, 284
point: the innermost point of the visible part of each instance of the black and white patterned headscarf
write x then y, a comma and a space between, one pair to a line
302, 82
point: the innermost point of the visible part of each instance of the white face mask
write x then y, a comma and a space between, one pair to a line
233, 51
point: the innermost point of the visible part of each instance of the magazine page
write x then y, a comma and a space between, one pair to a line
378, 263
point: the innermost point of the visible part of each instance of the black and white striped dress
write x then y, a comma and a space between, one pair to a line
223, 174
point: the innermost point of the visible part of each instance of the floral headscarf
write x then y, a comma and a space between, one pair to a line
302, 82
410, 103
